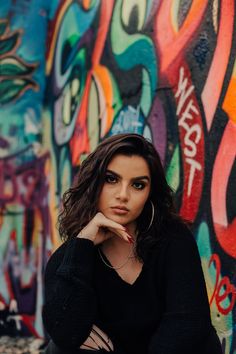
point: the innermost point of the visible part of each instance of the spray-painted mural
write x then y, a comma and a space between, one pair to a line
74, 72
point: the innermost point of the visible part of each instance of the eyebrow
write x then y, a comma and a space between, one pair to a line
133, 179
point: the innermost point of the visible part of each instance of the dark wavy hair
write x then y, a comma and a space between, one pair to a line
81, 200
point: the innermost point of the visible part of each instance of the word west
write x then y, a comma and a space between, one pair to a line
192, 132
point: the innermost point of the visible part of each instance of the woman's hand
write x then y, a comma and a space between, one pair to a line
98, 340
100, 228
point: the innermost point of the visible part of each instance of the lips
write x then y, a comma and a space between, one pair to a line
120, 208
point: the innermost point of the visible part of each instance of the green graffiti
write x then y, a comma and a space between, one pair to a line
15, 74
222, 323
173, 170
12, 89
131, 50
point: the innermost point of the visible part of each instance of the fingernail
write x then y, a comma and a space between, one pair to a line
131, 240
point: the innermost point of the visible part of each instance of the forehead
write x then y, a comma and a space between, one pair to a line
133, 165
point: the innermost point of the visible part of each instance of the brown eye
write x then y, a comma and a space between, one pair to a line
110, 179
138, 185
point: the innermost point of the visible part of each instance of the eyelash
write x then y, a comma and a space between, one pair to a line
112, 179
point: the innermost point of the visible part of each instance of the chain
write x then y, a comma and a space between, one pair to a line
108, 265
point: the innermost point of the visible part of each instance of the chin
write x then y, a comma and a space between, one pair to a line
119, 219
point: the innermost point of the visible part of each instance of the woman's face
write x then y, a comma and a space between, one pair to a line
126, 189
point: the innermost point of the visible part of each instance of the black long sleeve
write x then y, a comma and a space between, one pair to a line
69, 309
165, 311
185, 324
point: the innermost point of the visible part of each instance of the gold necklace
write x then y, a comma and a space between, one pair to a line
108, 265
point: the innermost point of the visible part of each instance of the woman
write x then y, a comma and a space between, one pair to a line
128, 277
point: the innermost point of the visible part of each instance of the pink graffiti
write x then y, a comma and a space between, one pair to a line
225, 232
166, 37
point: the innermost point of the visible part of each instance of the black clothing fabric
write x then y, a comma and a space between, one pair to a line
165, 311
52, 348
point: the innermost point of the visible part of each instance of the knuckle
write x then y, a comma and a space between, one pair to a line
98, 216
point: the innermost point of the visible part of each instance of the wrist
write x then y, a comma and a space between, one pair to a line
83, 235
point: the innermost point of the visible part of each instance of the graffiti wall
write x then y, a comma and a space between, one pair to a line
75, 72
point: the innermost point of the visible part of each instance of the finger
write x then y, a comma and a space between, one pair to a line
115, 227
104, 337
89, 344
100, 339
103, 221
123, 234
97, 339
99, 331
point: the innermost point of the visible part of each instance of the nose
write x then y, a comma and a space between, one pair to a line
122, 192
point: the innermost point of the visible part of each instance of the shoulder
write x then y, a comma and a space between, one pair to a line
66, 256
55, 259
179, 233
180, 252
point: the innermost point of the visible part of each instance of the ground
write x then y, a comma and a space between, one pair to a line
14, 345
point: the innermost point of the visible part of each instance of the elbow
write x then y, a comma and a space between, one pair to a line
64, 332
178, 335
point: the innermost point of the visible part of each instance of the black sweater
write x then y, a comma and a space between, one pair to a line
165, 311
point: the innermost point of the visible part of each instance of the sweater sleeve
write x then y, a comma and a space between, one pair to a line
186, 319
69, 308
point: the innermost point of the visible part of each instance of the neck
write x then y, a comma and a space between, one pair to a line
131, 229
117, 245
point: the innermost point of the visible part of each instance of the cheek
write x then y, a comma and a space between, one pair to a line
103, 199
140, 201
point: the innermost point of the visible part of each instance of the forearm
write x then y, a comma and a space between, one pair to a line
180, 334
69, 318
69, 309
186, 321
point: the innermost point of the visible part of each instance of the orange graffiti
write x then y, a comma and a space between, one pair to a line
86, 4
213, 86
229, 104
102, 77
79, 143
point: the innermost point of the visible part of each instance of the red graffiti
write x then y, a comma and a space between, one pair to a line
166, 36
223, 288
192, 143
174, 71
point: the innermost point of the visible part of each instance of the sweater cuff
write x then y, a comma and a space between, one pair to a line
78, 259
